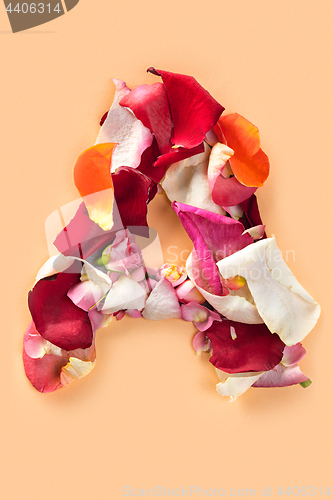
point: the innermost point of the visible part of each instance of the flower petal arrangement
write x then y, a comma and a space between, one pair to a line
250, 312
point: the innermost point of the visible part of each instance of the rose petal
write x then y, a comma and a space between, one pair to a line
249, 163
293, 354
93, 180
214, 236
44, 372
281, 376
236, 384
150, 105
284, 305
124, 294
56, 318
186, 182
123, 128
194, 111
235, 307
250, 348
162, 303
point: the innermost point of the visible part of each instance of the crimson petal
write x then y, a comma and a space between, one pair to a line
228, 192
178, 154
251, 215
57, 319
132, 191
254, 348
193, 110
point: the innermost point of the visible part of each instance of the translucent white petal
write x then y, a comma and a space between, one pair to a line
162, 303
186, 182
236, 384
284, 305
125, 293
54, 265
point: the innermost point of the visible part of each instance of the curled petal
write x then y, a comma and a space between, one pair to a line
150, 105
186, 182
284, 305
282, 376
236, 384
75, 369
188, 292
214, 236
194, 111
57, 319
218, 158
249, 163
293, 354
201, 342
234, 307
123, 128
162, 303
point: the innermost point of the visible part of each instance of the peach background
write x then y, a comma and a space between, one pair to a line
149, 415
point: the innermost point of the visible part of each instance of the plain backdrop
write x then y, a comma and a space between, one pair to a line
148, 415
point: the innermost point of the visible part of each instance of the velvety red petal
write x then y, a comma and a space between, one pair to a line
148, 159
214, 237
251, 215
193, 110
43, 373
254, 348
132, 191
150, 105
57, 319
178, 154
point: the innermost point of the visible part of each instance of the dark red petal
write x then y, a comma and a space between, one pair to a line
132, 191
57, 319
251, 215
150, 105
228, 192
193, 110
43, 373
254, 349
148, 158
177, 154
103, 118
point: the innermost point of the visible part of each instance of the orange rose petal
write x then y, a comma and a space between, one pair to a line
92, 177
249, 163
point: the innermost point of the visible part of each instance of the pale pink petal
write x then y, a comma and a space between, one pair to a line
188, 292
85, 294
293, 354
281, 376
201, 342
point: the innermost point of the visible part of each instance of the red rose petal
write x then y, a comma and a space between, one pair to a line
193, 110
255, 348
57, 319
